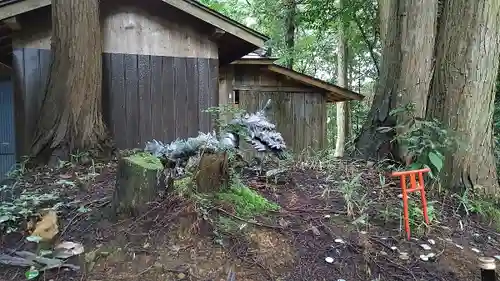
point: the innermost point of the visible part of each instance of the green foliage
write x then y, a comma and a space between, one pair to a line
416, 215
474, 204
19, 209
246, 202
426, 140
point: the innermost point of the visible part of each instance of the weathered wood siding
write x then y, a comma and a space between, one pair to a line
298, 110
158, 74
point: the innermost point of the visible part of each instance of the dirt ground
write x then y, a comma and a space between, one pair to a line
173, 242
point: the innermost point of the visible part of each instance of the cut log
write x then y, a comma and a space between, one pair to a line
212, 174
139, 181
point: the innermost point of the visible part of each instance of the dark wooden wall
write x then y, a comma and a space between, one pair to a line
148, 97
144, 97
298, 110
31, 71
159, 73
299, 116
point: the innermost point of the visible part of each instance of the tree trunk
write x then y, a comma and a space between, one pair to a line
139, 181
343, 108
291, 9
462, 92
405, 72
71, 116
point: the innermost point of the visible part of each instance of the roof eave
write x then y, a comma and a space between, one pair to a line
218, 20
343, 94
14, 8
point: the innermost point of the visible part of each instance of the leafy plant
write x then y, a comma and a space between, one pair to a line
427, 141
22, 207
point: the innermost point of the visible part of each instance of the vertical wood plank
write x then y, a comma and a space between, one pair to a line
181, 96
192, 111
19, 100
119, 119
213, 99
298, 121
323, 118
203, 94
32, 82
106, 91
168, 97
308, 122
144, 89
156, 98
31, 92
287, 128
131, 101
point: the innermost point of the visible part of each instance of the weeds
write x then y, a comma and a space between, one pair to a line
22, 207
473, 204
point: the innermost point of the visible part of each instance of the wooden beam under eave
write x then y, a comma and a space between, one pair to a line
21, 7
12, 23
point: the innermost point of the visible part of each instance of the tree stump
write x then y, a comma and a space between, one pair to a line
212, 173
139, 181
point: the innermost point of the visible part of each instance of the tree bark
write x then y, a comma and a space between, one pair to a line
139, 181
71, 116
290, 13
343, 108
407, 58
462, 92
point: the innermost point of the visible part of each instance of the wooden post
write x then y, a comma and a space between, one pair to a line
487, 266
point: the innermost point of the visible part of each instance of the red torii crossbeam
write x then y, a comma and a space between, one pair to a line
414, 186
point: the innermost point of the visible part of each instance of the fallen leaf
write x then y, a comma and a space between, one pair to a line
15, 261
47, 227
32, 273
67, 249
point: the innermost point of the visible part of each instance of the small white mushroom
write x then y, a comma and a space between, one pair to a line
394, 248
404, 256
424, 257
425, 247
329, 259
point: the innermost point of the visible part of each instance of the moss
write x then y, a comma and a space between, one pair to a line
246, 202
184, 185
145, 160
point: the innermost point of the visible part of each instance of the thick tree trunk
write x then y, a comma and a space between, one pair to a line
71, 112
343, 108
290, 13
462, 93
405, 72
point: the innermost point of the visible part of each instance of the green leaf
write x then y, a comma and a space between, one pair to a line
34, 238
83, 209
31, 274
415, 166
4, 218
45, 252
436, 160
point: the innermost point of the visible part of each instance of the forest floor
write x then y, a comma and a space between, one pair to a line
345, 211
